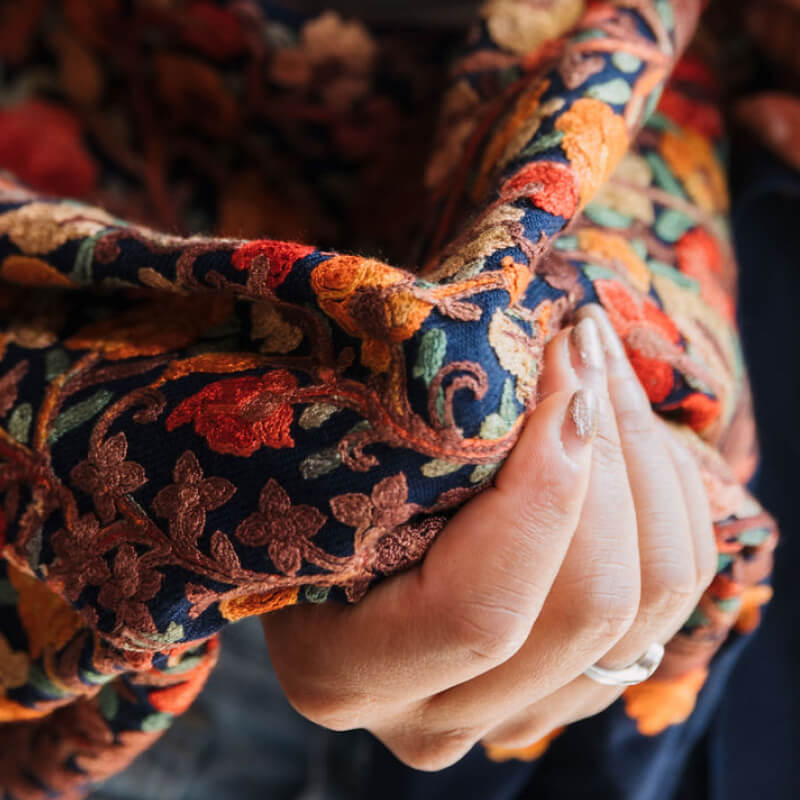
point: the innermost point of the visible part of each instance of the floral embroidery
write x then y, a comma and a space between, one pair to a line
186, 501
240, 415
106, 475
284, 528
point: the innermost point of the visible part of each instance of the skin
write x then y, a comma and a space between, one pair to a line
586, 549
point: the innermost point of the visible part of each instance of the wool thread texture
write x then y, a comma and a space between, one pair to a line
199, 428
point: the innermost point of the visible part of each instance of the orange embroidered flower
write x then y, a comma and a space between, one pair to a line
338, 278
641, 319
657, 704
688, 113
691, 157
617, 249
529, 753
698, 410
236, 608
595, 139
151, 328
549, 185
750, 611
176, 699
241, 415
56, 162
275, 259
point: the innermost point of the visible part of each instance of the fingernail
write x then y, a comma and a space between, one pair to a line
611, 342
582, 417
586, 345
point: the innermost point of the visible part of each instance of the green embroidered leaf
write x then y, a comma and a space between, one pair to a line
315, 415
639, 247
316, 594
617, 91
483, 472
508, 408
173, 633
590, 33
652, 102
697, 619
672, 224
544, 142
19, 423
494, 427
78, 414
95, 678
41, 682
660, 268
56, 361
430, 356
108, 702
724, 560
593, 272
754, 537
607, 217
663, 175
438, 467
657, 121
156, 722
566, 243
664, 8
626, 62
320, 463
728, 604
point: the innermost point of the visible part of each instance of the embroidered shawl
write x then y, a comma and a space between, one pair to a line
198, 428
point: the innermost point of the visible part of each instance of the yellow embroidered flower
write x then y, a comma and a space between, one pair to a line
615, 248
595, 139
523, 27
691, 157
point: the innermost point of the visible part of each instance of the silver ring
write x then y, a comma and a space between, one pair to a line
637, 672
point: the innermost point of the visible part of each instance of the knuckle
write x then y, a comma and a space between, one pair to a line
431, 752
330, 709
669, 589
488, 631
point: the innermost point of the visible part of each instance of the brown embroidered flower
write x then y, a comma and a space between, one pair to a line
106, 475
186, 501
128, 588
407, 545
385, 509
284, 528
78, 562
241, 415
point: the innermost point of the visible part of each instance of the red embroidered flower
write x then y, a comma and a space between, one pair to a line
700, 257
284, 528
186, 501
273, 259
241, 415
106, 475
549, 185
644, 328
41, 143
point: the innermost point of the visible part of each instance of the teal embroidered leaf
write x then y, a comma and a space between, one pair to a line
493, 427
108, 702
438, 467
153, 723
593, 272
672, 224
663, 175
483, 472
607, 217
626, 62
508, 407
660, 268
316, 594
431, 353
19, 423
566, 243
56, 361
616, 91
78, 414
546, 141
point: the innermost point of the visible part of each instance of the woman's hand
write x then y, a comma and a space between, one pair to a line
586, 548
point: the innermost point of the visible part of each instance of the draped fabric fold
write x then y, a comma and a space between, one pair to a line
195, 429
